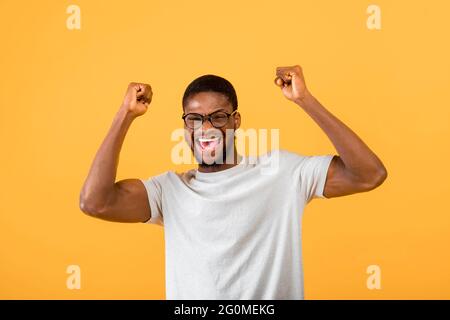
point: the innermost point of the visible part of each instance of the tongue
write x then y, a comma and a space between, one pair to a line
208, 145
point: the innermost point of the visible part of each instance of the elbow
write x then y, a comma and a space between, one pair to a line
85, 207
377, 179
90, 208
382, 176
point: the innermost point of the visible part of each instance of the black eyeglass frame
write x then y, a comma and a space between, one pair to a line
208, 117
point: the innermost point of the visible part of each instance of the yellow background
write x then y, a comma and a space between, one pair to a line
60, 89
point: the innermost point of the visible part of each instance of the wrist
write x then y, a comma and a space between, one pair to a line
125, 115
305, 99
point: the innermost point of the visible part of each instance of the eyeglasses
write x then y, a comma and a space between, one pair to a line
217, 119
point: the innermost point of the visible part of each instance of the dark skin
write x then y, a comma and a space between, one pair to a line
355, 169
101, 196
205, 103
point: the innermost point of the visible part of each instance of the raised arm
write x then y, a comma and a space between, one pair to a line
101, 196
356, 168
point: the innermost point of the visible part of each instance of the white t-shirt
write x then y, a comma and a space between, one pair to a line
236, 233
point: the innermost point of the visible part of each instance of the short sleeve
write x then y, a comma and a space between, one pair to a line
154, 187
313, 175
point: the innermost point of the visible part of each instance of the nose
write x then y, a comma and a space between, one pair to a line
207, 125
207, 129
203, 128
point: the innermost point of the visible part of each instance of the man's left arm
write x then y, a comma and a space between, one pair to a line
356, 168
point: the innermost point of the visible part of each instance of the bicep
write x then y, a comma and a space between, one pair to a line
128, 203
340, 182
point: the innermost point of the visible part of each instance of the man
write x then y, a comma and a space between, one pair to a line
231, 231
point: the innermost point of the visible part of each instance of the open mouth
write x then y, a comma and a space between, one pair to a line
208, 143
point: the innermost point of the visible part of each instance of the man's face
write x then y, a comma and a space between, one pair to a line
211, 145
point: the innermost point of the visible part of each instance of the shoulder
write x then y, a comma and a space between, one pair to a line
161, 178
170, 177
300, 158
295, 163
278, 162
283, 156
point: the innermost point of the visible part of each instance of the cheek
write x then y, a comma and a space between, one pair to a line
230, 129
228, 135
188, 136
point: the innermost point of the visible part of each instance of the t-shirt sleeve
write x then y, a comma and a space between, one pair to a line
313, 175
154, 186
310, 172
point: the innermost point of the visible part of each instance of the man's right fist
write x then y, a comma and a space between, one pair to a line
137, 98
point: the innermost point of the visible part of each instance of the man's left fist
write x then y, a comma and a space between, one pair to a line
291, 82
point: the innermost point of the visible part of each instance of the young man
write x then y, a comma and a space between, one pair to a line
231, 231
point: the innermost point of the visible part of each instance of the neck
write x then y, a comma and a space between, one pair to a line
215, 167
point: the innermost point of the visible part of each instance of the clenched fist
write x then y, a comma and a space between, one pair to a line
137, 98
291, 82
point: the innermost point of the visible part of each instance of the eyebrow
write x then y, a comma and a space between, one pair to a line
221, 109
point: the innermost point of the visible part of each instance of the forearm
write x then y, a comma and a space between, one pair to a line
357, 157
100, 182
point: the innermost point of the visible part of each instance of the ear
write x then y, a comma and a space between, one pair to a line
237, 120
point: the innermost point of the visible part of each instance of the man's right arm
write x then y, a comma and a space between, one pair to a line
101, 196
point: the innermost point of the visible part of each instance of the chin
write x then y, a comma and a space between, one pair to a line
207, 160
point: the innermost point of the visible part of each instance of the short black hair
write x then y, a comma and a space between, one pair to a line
211, 83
